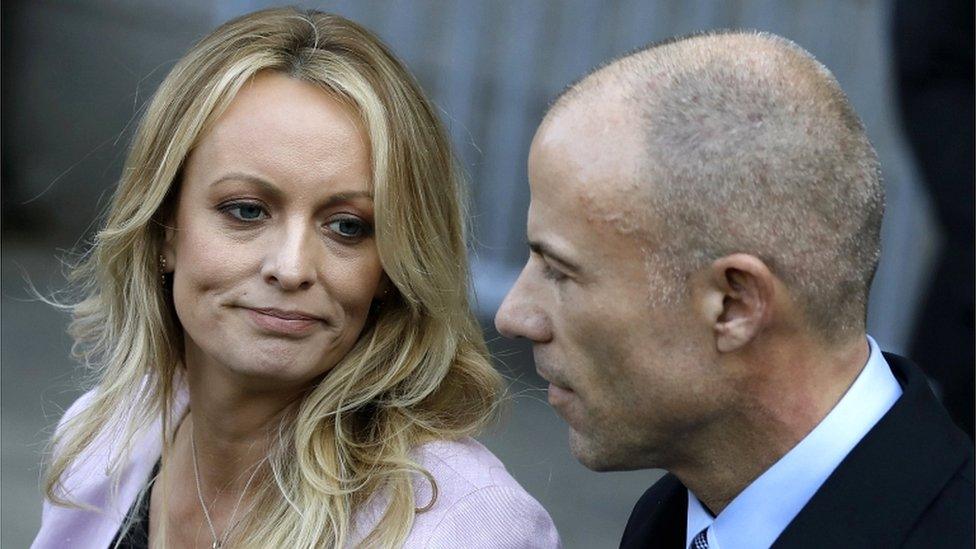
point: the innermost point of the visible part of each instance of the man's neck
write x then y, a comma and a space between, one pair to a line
788, 396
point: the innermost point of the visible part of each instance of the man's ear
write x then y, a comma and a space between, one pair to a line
738, 299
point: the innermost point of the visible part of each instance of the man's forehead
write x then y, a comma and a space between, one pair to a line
599, 113
585, 163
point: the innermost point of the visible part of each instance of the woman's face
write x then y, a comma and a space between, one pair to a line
272, 248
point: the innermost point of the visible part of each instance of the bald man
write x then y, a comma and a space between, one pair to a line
704, 227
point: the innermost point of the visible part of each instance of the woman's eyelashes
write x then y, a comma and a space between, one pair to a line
345, 226
349, 227
246, 212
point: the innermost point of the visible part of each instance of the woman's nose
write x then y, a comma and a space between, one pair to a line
290, 263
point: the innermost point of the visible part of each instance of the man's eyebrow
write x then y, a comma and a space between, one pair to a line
273, 189
543, 249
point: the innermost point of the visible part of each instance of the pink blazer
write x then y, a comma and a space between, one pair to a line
478, 504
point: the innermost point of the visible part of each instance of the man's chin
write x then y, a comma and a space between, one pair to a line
589, 453
598, 456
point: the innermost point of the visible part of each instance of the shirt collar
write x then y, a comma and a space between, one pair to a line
760, 513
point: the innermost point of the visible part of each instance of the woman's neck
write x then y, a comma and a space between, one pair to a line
219, 452
230, 423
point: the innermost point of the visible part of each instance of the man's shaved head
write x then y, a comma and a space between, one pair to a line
750, 146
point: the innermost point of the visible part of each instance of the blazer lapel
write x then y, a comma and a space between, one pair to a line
660, 517
878, 491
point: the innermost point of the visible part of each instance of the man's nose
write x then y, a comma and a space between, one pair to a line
291, 262
522, 315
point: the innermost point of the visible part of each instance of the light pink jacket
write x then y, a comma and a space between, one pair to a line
479, 505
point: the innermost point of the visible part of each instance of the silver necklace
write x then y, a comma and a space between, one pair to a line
218, 542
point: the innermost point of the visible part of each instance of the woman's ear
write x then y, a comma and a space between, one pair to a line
384, 288
738, 300
167, 254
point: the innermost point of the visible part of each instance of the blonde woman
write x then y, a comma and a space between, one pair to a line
276, 315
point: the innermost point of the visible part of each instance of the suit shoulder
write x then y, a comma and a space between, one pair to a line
966, 471
948, 520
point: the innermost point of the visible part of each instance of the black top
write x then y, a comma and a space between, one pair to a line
908, 483
137, 536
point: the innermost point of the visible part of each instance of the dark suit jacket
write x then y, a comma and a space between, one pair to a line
908, 482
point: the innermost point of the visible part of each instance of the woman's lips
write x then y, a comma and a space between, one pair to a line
283, 323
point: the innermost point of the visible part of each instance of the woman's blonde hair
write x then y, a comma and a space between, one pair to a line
420, 369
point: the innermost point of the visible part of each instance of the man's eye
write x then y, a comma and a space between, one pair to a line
552, 274
245, 211
348, 227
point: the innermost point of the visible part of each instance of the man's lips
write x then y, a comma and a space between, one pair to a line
278, 321
549, 377
558, 392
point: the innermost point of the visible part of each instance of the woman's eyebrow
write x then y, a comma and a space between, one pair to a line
350, 195
275, 191
265, 185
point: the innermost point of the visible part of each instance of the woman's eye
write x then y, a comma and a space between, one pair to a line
348, 227
245, 212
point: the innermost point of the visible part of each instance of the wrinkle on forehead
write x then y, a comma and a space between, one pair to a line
622, 210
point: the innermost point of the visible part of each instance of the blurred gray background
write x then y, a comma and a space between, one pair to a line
76, 73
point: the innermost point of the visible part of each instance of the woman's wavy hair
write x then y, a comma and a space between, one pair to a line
420, 369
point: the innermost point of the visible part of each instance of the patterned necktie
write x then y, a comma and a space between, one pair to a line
700, 541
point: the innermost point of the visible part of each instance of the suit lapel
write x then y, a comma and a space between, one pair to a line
659, 518
879, 490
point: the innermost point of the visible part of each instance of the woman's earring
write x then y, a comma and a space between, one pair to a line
162, 269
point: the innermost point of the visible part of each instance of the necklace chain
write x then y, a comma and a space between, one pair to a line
218, 542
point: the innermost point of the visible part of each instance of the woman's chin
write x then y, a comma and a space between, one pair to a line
279, 374
271, 373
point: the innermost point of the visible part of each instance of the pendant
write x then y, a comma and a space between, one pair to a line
216, 545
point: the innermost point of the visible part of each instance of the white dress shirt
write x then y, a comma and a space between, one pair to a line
760, 513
